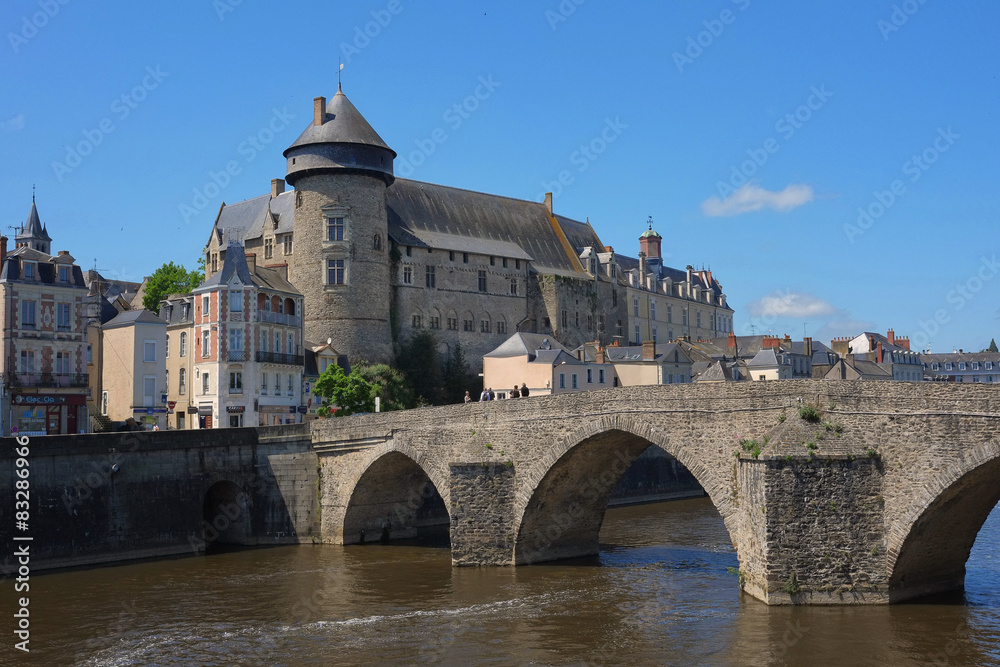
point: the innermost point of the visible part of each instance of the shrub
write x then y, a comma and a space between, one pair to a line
809, 413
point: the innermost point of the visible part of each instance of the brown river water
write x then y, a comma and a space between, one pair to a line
659, 593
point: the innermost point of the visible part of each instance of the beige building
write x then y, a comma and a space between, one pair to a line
134, 369
649, 363
544, 366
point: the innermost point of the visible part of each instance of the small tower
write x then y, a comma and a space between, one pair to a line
341, 168
649, 242
33, 234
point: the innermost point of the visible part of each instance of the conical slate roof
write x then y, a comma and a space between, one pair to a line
33, 228
344, 124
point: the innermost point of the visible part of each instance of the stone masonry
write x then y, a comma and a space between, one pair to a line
878, 500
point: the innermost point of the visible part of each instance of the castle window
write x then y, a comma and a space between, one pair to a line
416, 322
215, 262
407, 275
517, 264
377, 242
513, 286
334, 272
600, 322
565, 319
429, 278
334, 229
465, 258
576, 323
482, 280
452, 324
505, 262
409, 251
451, 255
548, 323
590, 322
435, 322
618, 329
288, 244
484, 326
268, 248
614, 298
501, 327
493, 260
467, 325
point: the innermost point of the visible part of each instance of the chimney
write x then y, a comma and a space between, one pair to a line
839, 346
608, 248
788, 339
903, 342
3, 249
548, 202
878, 352
599, 355
770, 342
891, 335
251, 261
808, 346
642, 268
689, 270
319, 110
648, 350
732, 340
277, 187
63, 253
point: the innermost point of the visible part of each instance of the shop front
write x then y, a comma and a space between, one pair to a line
48, 414
235, 414
204, 412
272, 415
150, 418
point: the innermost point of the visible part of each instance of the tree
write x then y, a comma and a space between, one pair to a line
166, 280
993, 345
456, 378
418, 360
349, 393
390, 384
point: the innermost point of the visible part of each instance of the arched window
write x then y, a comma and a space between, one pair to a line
377, 241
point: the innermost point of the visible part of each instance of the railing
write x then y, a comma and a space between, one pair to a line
238, 355
49, 379
278, 318
279, 358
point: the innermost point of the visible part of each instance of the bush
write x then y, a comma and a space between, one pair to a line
809, 413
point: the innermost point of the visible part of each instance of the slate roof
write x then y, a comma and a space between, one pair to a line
130, 317
486, 224
520, 344
765, 357
282, 207
234, 265
33, 228
236, 220
717, 372
47, 273
344, 124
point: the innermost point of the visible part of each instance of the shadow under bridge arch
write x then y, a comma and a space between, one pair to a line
394, 499
563, 514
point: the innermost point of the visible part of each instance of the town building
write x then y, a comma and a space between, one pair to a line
177, 310
543, 365
45, 351
379, 258
133, 369
890, 351
248, 345
961, 366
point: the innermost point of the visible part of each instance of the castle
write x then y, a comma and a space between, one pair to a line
377, 258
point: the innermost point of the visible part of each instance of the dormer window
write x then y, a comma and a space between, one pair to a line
30, 271
64, 274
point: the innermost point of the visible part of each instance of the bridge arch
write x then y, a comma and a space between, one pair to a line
931, 542
226, 514
566, 494
394, 496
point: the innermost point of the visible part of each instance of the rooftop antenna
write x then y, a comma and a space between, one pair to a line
339, 70
753, 329
32, 193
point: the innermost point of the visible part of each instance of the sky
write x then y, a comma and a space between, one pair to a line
834, 164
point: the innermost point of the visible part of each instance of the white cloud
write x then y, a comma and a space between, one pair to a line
13, 124
791, 304
752, 197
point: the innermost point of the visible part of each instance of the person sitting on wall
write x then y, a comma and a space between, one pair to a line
468, 399
515, 392
524, 390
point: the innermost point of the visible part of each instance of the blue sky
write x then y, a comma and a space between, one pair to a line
834, 165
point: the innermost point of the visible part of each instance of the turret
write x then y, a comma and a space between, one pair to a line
649, 242
33, 234
341, 168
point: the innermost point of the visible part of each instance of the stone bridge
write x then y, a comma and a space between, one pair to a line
875, 496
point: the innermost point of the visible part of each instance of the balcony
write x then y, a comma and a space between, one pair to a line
279, 358
238, 355
278, 318
49, 379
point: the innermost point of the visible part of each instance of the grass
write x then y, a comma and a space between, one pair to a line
810, 414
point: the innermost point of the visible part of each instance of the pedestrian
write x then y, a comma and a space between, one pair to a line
468, 399
492, 396
524, 390
515, 392
485, 396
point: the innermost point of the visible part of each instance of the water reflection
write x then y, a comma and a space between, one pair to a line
658, 593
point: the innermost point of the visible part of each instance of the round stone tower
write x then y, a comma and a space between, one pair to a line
340, 169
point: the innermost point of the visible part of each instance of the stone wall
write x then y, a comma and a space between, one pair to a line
113, 497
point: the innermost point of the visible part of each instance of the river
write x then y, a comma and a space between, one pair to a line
659, 593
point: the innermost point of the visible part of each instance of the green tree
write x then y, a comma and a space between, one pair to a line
456, 378
993, 345
390, 384
166, 280
418, 360
348, 393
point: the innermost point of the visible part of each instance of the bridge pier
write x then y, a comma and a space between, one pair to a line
482, 516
